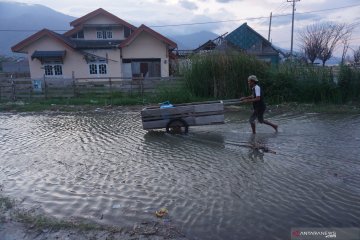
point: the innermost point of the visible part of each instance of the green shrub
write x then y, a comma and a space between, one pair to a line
349, 83
221, 75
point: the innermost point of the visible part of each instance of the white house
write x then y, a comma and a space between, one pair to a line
99, 45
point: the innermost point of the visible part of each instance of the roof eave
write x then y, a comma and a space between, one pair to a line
95, 13
73, 31
44, 32
143, 28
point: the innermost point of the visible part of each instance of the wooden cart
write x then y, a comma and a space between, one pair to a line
178, 117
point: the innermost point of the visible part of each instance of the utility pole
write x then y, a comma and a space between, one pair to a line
292, 26
270, 27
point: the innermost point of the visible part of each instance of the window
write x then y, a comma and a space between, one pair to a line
93, 68
53, 70
98, 68
127, 32
79, 34
105, 34
142, 67
57, 70
102, 69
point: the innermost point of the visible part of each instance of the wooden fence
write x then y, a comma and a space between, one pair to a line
26, 88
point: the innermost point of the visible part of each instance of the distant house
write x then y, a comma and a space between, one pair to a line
248, 40
15, 66
244, 39
99, 45
208, 46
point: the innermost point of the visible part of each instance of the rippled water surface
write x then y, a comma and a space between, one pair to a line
103, 166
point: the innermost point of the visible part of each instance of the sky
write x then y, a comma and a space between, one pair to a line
175, 17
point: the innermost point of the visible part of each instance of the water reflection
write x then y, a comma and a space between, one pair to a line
103, 166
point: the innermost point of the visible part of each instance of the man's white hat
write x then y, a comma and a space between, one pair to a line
253, 77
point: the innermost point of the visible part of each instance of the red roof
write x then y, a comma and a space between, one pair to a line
144, 28
73, 31
45, 32
97, 12
78, 25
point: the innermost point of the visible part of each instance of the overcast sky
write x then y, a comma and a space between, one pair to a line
224, 15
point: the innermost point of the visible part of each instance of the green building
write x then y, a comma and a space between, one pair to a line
246, 39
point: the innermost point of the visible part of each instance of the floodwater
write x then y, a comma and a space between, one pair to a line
101, 165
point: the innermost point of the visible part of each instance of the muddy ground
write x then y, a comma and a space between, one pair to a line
18, 223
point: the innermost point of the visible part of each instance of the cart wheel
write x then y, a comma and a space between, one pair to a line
177, 126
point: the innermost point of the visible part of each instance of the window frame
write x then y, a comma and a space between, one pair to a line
78, 35
55, 68
152, 66
104, 34
98, 68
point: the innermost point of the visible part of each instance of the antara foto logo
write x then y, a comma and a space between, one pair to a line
296, 233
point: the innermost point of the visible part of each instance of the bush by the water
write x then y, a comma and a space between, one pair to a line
224, 76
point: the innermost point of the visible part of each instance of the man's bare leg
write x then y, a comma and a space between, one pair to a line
253, 128
272, 125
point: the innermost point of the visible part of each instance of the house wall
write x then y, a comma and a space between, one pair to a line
90, 33
73, 61
273, 59
269, 50
256, 48
100, 19
146, 46
113, 65
46, 44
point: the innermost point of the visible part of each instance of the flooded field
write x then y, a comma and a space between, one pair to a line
101, 165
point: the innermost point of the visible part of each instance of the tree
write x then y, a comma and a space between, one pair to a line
357, 56
321, 39
346, 44
311, 41
335, 33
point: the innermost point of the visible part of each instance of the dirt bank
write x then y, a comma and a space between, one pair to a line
18, 223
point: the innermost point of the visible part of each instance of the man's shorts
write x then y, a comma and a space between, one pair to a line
257, 114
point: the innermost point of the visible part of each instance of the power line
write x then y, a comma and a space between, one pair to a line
287, 41
256, 18
29, 30
203, 23
284, 6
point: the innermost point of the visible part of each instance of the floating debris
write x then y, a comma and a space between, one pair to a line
162, 212
116, 206
255, 146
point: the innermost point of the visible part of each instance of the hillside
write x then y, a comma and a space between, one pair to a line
193, 40
20, 20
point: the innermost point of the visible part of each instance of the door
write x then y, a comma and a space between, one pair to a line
127, 72
144, 68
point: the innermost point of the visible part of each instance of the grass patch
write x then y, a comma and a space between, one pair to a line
316, 108
6, 203
177, 94
43, 222
332, 108
9, 210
